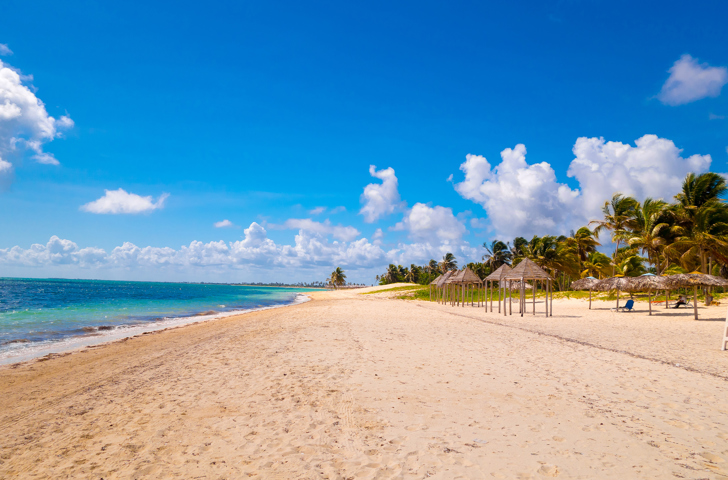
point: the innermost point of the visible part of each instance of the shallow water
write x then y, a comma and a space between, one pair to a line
43, 315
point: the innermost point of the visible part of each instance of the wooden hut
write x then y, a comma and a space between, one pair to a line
463, 286
441, 286
528, 270
496, 276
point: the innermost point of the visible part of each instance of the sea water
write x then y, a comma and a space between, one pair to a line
41, 316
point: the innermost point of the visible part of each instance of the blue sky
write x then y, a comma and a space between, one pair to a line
262, 112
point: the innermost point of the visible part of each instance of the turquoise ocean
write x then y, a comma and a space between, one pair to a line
41, 316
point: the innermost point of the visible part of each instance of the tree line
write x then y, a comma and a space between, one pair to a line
654, 236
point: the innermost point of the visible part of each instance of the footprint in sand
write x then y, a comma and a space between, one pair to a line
549, 470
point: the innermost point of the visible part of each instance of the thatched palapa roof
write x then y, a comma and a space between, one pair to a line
649, 281
587, 283
623, 284
464, 277
434, 282
443, 278
500, 272
695, 280
527, 270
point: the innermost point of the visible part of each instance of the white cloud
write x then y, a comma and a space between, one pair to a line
690, 81
377, 236
311, 253
479, 223
345, 233
5, 167
224, 224
653, 168
122, 202
25, 125
5, 50
317, 211
520, 199
713, 116
338, 209
380, 199
435, 225
523, 199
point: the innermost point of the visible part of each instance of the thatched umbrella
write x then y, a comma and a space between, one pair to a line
649, 282
620, 284
694, 280
496, 276
586, 283
528, 270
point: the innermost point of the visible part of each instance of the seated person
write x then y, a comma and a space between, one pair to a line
680, 301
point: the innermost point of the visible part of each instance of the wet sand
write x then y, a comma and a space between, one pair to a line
355, 386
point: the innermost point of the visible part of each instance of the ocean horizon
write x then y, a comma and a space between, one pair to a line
54, 315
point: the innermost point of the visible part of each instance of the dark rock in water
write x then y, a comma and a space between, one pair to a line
106, 327
209, 312
19, 340
88, 329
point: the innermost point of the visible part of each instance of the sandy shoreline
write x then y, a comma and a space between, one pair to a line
352, 386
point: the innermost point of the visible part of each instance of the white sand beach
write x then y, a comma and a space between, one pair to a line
352, 386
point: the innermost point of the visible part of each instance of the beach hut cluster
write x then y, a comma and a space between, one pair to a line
507, 286
460, 288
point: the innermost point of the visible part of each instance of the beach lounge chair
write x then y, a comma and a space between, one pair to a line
627, 307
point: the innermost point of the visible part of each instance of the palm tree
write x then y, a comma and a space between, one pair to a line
411, 275
448, 263
649, 225
584, 243
618, 215
497, 254
392, 275
706, 238
596, 265
337, 277
631, 266
701, 190
432, 267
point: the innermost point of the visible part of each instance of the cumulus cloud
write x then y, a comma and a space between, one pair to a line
654, 167
690, 81
122, 202
380, 199
224, 224
520, 199
432, 224
523, 199
345, 233
317, 210
5, 50
25, 125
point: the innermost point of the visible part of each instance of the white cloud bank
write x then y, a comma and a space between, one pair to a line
340, 232
25, 125
310, 254
425, 223
224, 224
122, 202
5, 50
690, 81
380, 199
523, 199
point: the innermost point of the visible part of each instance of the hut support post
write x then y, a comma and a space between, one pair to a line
695, 301
523, 295
551, 310
589, 299
649, 299
617, 300
535, 285
667, 298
